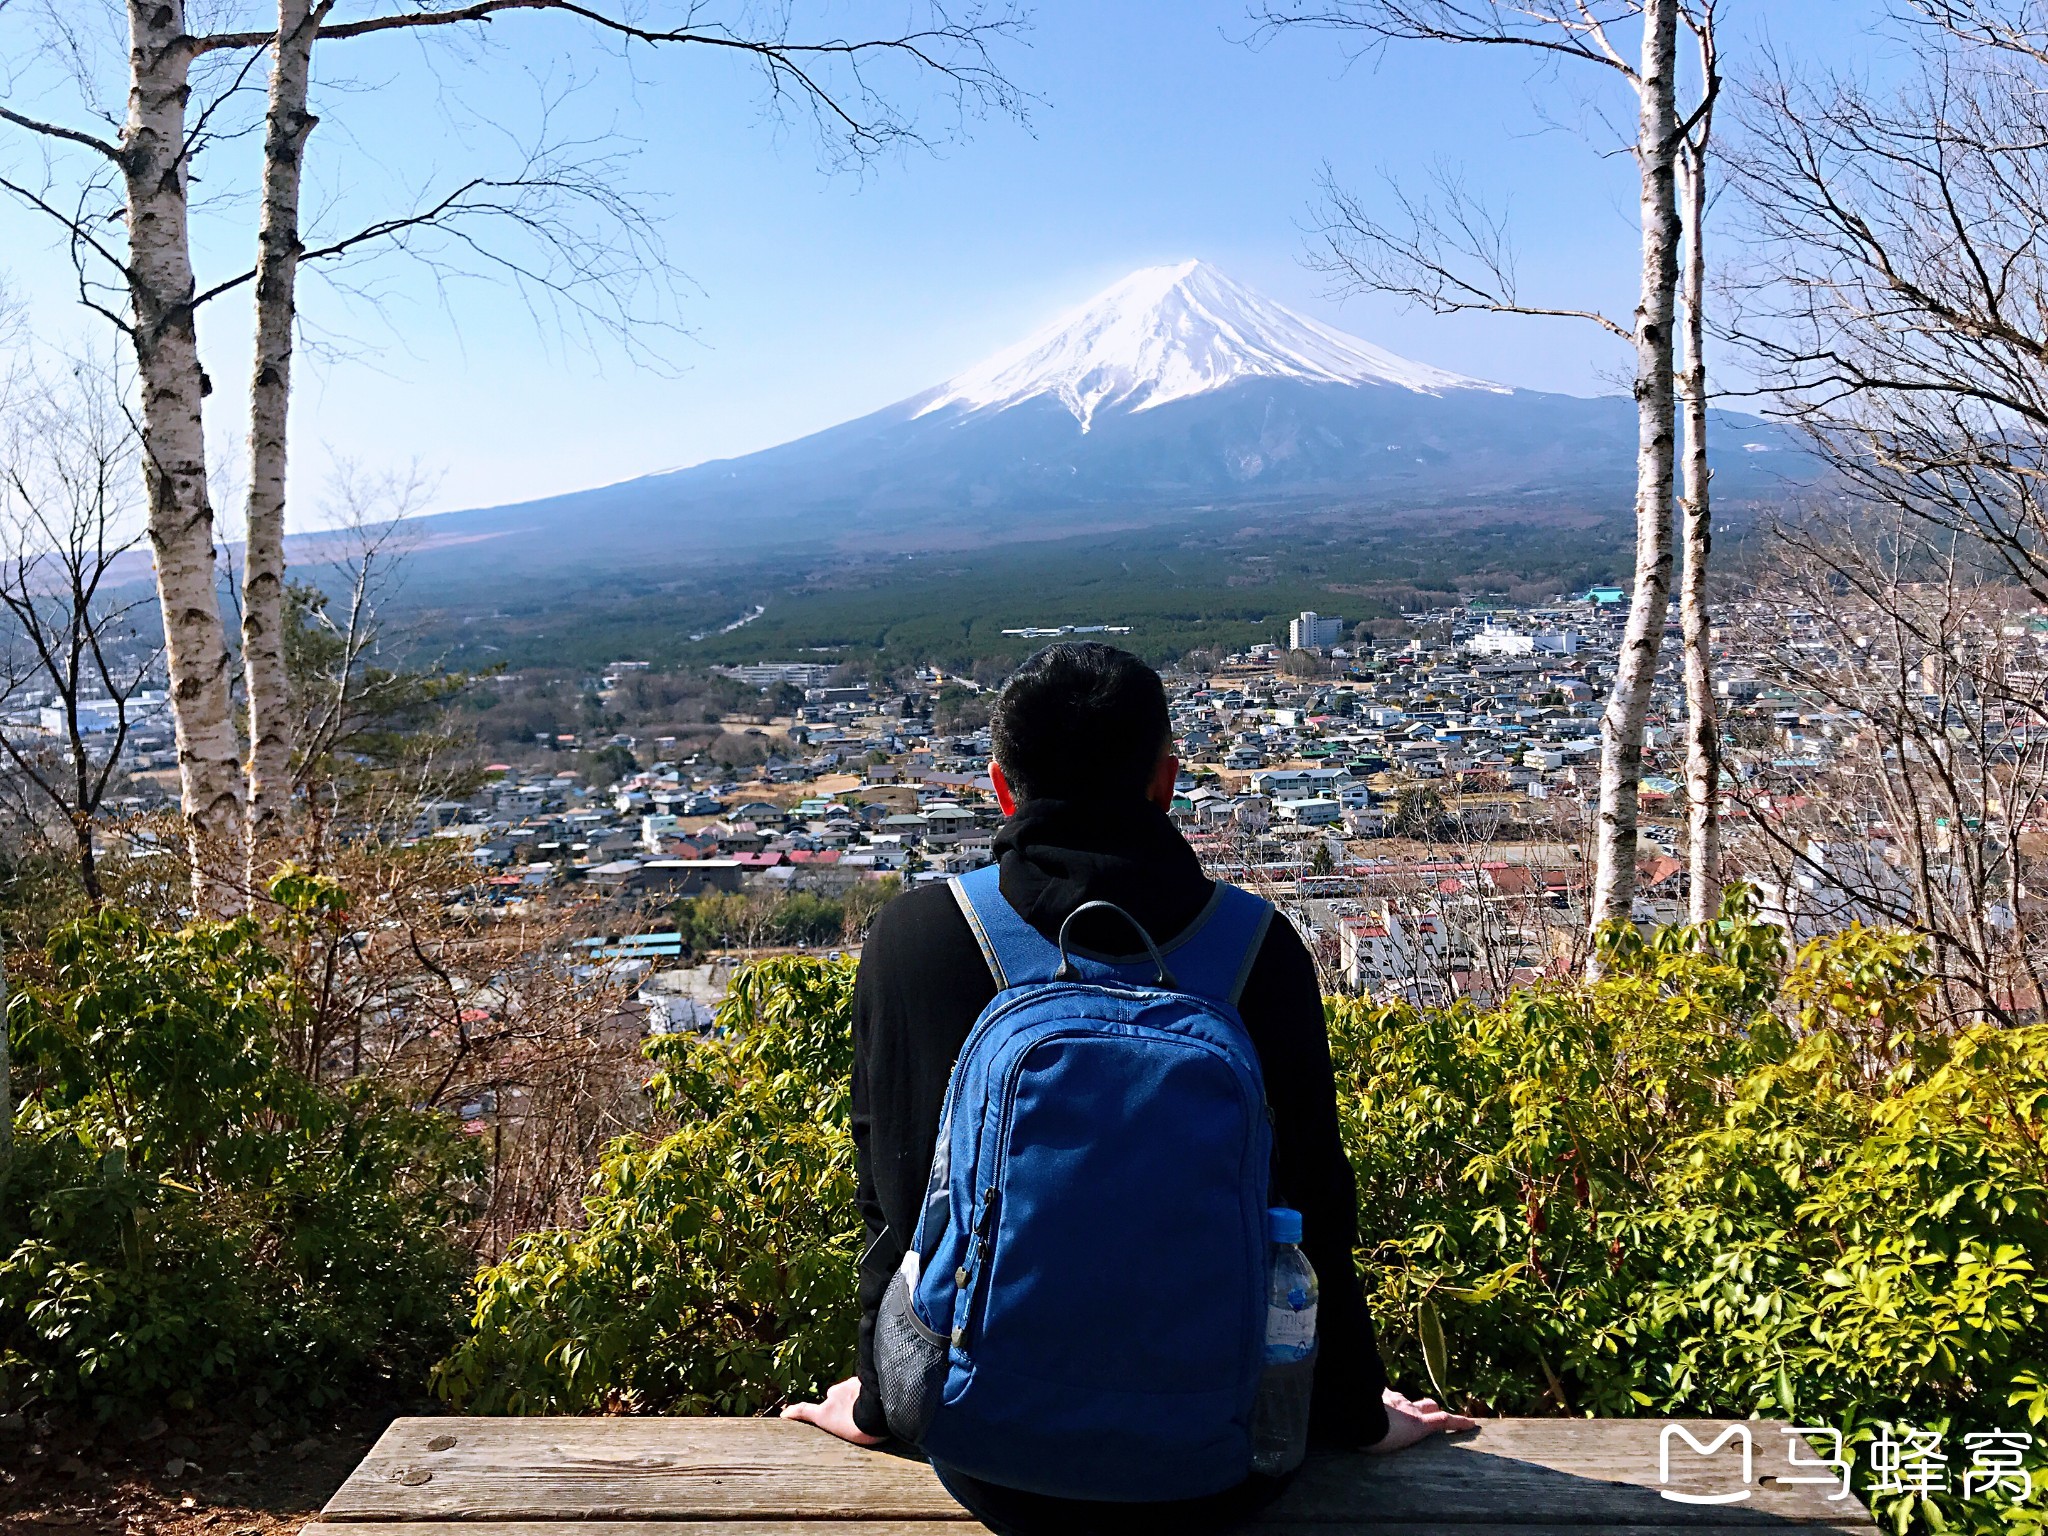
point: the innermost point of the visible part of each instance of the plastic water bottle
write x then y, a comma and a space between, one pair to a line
1280, 1415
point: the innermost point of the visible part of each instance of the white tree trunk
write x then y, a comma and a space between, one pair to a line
1621, 728
174, 448
6, 1084
287, 123
1703, 724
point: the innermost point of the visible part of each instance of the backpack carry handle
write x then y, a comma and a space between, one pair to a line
1066, 972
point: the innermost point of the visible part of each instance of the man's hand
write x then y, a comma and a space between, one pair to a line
1409, 1423
835, 1414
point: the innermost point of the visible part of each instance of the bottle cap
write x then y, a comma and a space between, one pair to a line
1283, 1225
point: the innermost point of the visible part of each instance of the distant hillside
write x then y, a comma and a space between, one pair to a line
1221, 585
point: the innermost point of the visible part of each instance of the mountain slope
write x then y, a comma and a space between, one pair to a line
1174, 392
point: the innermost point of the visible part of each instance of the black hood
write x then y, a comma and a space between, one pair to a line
1057, 854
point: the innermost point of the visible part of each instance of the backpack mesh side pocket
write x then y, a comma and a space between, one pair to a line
910, 1359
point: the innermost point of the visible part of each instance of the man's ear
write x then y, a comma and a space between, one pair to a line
1160, 790
1004, 798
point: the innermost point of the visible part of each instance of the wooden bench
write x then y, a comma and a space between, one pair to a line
764, 1477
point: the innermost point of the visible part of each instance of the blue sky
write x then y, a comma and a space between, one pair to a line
814, 297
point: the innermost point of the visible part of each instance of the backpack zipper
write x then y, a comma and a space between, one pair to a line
970, 1272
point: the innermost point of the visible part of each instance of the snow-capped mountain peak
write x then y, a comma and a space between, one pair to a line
1168, 333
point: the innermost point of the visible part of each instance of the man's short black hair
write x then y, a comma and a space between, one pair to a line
1081, 721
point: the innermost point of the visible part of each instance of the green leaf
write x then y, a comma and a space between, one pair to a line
1429, 1327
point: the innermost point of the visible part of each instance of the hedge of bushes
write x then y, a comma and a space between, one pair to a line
185, 1218
1713, 1184
714, 1271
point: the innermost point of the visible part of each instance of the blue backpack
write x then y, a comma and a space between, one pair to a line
1081, 1310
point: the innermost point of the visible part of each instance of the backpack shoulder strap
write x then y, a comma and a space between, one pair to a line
1214, 958
1018, 954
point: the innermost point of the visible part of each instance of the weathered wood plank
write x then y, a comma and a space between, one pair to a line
1562, 1472
963, 1528
960, 1527
631, 1469
1514, 1473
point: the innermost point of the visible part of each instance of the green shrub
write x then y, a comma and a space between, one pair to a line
1711, 1184
729, 920
715, 1270
803, 917
185, 1217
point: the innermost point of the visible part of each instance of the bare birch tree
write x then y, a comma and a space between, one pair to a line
857, 120
8, 328
150, 160
1635, 669
1702, 719
6, 1081
1450, 256
265, 682
844, 83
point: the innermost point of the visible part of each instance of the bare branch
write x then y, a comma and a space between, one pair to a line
1899, 302
959, 52
61, 133
78, 230
1449, 254
1576, 29
68, 475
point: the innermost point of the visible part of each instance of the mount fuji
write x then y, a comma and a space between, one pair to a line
1172, 394
1165, 334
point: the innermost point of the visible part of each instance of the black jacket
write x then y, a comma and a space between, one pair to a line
923, 982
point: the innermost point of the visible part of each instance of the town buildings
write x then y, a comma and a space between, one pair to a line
1420, 807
